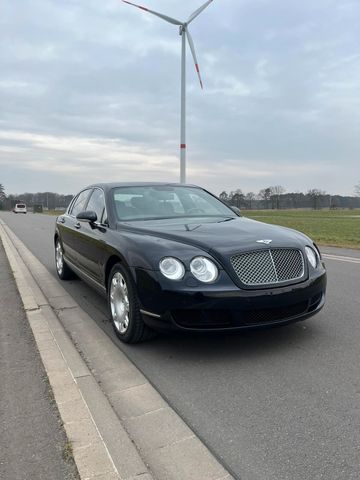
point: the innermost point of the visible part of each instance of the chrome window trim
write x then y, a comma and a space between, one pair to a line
71, 206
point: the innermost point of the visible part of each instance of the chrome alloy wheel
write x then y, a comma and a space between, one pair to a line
119, 303
59, 257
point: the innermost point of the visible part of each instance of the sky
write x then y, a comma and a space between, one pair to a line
90, 92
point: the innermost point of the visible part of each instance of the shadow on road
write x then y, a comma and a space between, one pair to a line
214, 347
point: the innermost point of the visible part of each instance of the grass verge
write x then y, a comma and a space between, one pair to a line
53, 212
336, 228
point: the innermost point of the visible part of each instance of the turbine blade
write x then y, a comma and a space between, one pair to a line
164, 17
192, 48
198, 11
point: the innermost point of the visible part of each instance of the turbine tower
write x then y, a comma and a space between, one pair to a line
185, 34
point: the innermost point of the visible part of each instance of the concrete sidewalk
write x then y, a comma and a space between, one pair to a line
33, 443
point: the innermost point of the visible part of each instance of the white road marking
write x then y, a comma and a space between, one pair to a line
341, 258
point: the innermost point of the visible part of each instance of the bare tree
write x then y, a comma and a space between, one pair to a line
276, 191
250, 197
224, 196
316, 195
237, 198
265, 195
2, 196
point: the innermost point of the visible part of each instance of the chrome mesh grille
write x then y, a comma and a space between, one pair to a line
266, 267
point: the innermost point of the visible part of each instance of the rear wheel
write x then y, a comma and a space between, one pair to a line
125, 307
62, 269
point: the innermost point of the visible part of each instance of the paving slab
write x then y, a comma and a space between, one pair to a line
136, 401
185, 460
157, 429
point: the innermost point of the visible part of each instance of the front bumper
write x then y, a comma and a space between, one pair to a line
224, 306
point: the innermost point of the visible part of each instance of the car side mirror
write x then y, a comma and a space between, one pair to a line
236, 210
89, 216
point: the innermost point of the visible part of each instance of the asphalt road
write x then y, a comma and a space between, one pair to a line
272, 405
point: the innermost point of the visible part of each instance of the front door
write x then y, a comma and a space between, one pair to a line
92, 251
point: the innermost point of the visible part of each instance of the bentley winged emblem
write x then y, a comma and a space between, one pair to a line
266, 242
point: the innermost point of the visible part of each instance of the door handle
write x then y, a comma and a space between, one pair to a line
77, 225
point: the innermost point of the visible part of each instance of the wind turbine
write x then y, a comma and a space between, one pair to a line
184, 32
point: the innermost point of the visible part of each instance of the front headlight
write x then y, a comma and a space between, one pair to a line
317, 250
172, 268
204, 269
312, 256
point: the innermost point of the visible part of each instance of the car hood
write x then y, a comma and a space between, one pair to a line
221, 235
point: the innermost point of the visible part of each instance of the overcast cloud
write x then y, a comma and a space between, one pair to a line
90, 91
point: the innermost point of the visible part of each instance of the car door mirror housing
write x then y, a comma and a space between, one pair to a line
89, 216
236, 210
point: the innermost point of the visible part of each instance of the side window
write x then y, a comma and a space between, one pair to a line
79, 203
97, 204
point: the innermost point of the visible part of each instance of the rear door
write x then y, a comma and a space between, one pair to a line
70, 227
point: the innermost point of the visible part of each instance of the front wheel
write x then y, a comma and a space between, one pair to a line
124, 306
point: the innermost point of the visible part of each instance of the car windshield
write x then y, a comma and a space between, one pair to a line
159, 202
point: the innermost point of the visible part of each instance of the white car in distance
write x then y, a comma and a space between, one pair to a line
20, 208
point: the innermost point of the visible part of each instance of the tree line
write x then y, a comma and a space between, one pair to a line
49, 200
272, 197
275, 197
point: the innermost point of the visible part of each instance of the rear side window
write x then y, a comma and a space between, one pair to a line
97, 204
79, 203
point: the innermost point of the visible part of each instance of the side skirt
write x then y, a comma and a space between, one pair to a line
84, 276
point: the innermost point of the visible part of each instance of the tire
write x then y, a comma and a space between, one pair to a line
124, 307
62, 269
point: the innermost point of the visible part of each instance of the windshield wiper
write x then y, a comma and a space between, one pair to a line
227, 219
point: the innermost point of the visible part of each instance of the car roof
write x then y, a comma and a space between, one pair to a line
109, 186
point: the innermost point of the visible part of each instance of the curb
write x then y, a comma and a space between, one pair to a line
135, 431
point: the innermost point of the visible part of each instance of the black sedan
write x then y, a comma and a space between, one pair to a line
171, 256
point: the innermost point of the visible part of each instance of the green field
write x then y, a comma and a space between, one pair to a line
338, 228
55, 213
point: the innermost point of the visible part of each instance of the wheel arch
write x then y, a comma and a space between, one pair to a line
113, 260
